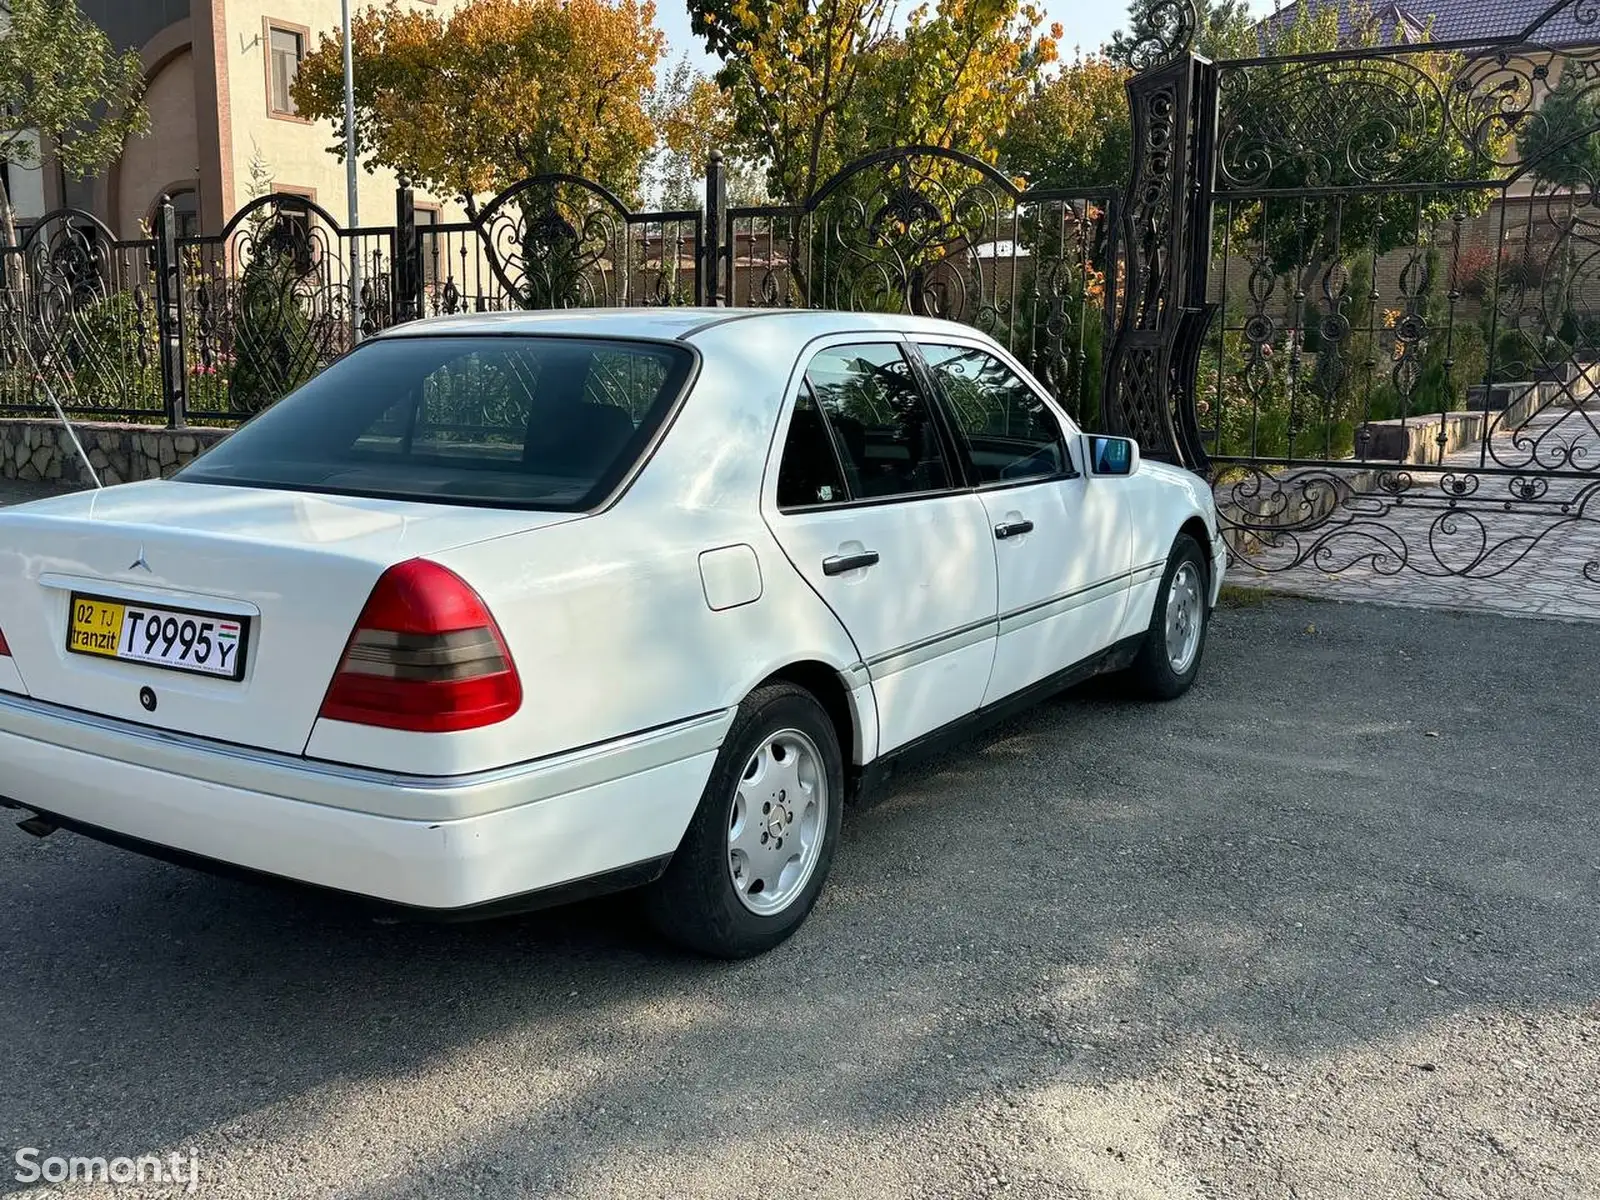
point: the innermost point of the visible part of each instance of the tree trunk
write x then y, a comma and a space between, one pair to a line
12, 278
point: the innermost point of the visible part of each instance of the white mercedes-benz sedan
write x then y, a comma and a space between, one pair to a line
502, 610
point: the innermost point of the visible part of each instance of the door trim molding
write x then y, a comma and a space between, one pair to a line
902, 658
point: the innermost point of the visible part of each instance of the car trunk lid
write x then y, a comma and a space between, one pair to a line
292, 569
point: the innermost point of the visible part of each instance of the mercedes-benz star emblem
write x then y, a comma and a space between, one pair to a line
140, 562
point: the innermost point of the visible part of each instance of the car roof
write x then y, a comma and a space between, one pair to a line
681, 324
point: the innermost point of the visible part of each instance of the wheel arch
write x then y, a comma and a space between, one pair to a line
1195, 527
831, 689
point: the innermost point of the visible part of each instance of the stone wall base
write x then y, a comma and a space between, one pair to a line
34, 450
1426, 439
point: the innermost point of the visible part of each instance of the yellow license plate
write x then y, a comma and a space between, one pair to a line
96, 626
173, 639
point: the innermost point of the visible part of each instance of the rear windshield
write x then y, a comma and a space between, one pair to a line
534, 422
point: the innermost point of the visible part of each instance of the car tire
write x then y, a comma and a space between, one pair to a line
758, 849
1169, 658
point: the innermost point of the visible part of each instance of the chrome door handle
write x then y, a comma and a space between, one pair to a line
1012, 529
840, 563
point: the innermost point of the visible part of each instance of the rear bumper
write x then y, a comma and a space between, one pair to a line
542, 825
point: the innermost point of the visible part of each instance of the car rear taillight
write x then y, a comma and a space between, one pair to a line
5, 650
425, 656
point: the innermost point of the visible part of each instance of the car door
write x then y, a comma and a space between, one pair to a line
869, 507
1060, 536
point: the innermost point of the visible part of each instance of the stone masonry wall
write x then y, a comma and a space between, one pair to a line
40, 451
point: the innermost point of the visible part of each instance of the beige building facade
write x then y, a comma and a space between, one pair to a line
223, 124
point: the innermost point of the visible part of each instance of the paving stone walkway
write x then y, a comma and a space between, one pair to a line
1527, 545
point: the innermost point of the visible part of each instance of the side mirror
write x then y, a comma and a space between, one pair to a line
1110, 455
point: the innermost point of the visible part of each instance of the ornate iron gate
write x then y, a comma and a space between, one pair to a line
1402, 277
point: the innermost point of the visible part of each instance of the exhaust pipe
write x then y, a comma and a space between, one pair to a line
38, 826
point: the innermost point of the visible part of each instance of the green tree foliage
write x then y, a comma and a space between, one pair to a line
1559, 141
496, 90
694, 117
1073, 130
1223, 29
61, 80
814, 84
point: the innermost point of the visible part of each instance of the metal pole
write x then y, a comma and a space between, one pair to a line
350, 170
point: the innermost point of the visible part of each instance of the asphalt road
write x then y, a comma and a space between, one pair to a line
1276, 939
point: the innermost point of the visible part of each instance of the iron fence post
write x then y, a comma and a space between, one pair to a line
709, 276
407, 256
170, 316
1158, 327
1196, 312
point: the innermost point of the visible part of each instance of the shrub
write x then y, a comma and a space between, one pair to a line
273, 340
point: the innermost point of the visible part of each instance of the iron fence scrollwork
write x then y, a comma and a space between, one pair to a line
210, 329
1402, 373
80, 320
932, 232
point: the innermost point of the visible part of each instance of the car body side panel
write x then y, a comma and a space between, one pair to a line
1160, 499
1063, 584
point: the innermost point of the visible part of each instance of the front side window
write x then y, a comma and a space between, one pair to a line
1007, 431
885, 430
535, 422
286, 48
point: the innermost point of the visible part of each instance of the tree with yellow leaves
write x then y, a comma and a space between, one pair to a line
498, 91
815, 83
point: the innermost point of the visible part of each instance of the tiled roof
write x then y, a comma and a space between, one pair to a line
1575, 22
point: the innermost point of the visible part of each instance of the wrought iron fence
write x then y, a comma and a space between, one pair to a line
211, 329
932, 232
265, 305
1359, 287
80, 316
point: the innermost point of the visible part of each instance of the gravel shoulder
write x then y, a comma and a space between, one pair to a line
1324, 928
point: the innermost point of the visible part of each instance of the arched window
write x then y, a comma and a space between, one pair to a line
186, 206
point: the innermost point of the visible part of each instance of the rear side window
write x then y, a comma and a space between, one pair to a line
810, 471
1007, 432
538, 422
888, 441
